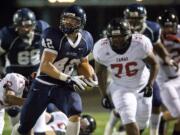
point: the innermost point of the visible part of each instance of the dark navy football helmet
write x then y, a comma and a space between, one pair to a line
136, 14
168, 19
24, 20
75, 12
88, 125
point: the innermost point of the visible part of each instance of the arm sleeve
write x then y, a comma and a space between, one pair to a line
4, 40
42, 25
90, 43
50, 40
157, 33
96, 53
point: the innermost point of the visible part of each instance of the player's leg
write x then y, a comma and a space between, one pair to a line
40, 126
74, 111
144, 109
70, 103
13, 114
176, 130
156, 113
171, 99
1, 120
113, 119
34, 105
126, 104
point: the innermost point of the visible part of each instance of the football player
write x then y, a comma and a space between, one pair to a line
136, 15
124, 54
55, 123
20, 43
64, 48
11, 90
169, 76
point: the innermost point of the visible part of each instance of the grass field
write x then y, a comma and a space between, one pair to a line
101, 118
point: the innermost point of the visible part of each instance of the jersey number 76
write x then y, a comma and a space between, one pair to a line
129, 69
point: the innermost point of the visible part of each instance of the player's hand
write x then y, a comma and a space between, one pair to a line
92, 82
106, 103
147, 90
170, 62
77, 83
174, 64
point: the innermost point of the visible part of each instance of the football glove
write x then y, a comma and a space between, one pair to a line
92, 82
106, 103
77, 83
147, 91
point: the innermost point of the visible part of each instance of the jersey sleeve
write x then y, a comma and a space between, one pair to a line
157, 33
89, 43
41, 26
50, 40
146, 48
4, 40
96, 51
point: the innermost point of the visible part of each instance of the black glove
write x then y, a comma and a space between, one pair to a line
77, 83
106, 103
147, 90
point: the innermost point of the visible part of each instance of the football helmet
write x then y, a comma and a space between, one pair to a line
168, 19
77, 15
136, 14
119, 33
88, 125
24, 21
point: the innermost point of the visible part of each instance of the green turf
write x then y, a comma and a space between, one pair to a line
101, 118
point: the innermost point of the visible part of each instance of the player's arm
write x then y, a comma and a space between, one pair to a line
159, 48
154, 67
102, 75
162, 52
48, 68
11, 99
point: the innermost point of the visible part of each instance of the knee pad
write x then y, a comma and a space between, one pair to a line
13, 112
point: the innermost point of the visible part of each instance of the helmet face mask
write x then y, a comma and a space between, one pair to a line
70, 23
118, 32
136, 24
72, 19
24, 22
136, 15
25, 30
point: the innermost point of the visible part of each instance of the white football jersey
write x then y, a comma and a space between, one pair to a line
174, 50
16, 83
59, 123
127, 70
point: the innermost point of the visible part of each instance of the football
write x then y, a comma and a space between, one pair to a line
85, 69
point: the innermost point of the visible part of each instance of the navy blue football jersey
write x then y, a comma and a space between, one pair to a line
152, 31
23, 56
68, 53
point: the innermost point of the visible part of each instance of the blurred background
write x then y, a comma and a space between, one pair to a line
99, 12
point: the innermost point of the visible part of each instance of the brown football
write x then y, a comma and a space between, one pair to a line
85, 69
